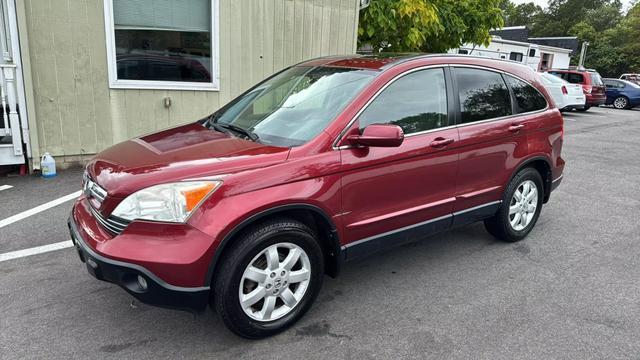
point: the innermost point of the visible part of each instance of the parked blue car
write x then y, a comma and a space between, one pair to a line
622, 94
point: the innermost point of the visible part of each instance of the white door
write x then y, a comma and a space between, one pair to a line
13, 119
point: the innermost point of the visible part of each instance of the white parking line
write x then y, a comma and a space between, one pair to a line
5, 187
38, 209
35, 250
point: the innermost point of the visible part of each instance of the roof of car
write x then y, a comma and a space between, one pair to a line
574, 70
382, 61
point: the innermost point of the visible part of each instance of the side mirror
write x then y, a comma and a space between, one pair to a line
379, 135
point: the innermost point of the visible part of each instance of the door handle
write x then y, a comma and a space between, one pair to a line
516, 127
441, 142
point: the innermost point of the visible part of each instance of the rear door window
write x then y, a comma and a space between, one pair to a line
527, 97
483, 95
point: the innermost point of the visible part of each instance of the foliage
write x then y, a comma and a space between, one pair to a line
427, 25
562, 15
614, 38
521, 14
614, 49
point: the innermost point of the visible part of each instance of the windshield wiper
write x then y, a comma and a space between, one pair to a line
246, 132
218, 127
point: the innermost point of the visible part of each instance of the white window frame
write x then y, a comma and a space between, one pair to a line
115, 83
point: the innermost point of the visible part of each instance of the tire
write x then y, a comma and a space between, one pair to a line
620, 103
500, 225
252, 248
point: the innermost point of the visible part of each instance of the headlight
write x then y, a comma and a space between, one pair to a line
167, 202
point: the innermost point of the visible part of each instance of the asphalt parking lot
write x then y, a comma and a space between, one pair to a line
570, 290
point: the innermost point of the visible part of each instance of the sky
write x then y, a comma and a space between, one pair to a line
543, 3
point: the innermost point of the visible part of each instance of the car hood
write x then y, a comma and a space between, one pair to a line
185, 152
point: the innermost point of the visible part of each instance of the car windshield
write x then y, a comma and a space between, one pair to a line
294, 106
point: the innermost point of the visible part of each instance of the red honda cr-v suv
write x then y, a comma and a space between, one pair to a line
326, 161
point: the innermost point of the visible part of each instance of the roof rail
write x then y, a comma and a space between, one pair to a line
579, 68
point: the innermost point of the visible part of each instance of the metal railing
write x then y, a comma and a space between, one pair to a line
9, 100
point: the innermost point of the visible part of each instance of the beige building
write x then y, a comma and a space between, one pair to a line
81, 75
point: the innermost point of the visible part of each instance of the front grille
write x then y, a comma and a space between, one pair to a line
92, 190
113, 224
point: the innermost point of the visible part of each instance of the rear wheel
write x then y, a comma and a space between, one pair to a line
520, 208
621, 102
269, 278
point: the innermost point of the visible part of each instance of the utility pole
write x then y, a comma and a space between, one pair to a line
583, 53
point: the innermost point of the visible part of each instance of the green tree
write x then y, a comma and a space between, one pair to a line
522, 14
427, 25
562, 15
615, 50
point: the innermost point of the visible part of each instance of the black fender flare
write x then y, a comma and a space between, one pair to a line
526, 163
334, 241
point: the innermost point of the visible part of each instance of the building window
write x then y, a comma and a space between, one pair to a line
161, 44
516, 56
463, 52
532, 52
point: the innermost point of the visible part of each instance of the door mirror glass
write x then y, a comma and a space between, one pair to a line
379, 135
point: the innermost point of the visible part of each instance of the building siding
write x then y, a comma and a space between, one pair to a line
76, 113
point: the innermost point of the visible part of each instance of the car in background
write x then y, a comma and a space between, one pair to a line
622, 94
634, 78
589, 79
567, 96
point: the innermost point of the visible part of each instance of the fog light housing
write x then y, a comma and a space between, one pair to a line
142, 282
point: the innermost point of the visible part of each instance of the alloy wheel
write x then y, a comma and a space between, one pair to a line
523, 205
620, 103
274, 282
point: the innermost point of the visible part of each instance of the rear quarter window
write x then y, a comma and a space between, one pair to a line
527, 97
596, 80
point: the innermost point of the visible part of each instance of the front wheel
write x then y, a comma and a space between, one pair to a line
520, 208
269, 278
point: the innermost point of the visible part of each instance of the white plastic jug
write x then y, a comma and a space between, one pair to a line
48, 166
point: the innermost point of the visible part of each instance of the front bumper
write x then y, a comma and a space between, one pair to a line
156, 292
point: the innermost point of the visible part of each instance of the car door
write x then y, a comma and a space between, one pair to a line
612, 90
492, 139
392, 194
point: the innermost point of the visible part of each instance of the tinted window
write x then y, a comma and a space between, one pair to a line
483, 95
415, 102
613, 84
527, 97
574, 78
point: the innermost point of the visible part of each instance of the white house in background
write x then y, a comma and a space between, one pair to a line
538, 57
